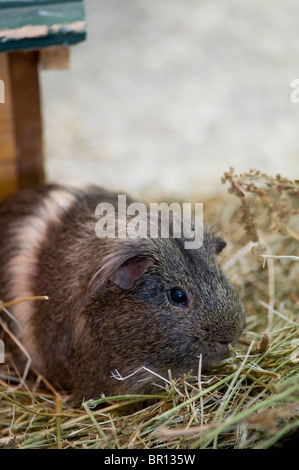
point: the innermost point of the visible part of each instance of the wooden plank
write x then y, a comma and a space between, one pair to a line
8, 165
27, 117
57, 57
30, 3
35, 25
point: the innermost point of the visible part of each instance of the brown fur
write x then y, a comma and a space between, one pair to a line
108, 308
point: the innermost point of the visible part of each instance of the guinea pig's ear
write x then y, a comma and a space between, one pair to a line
219, 245
130, 271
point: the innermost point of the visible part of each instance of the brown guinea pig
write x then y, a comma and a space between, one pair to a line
115, 304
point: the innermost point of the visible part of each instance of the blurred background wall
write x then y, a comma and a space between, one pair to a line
164, 96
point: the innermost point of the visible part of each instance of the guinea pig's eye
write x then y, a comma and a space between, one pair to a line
177, 297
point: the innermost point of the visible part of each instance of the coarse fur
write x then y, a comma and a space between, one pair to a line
108, 306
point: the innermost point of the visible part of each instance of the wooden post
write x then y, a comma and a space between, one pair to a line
8, 164
21, 148
27, 117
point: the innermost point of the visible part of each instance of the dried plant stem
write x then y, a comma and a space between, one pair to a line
293, 258
271, 283
200, 389
25, 299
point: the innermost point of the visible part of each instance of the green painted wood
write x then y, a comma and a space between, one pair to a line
23, 3
59, 17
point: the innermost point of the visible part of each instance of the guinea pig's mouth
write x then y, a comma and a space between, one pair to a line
208, 359
224, 348
220, 351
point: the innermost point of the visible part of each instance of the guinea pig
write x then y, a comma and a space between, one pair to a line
115, 304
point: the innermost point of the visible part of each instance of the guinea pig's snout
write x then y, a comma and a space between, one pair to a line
223, 348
